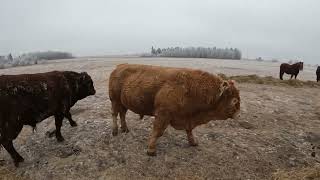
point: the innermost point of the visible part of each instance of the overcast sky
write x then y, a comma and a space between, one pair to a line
287, 29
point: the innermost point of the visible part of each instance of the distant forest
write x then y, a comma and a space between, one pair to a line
32, 58
197, 52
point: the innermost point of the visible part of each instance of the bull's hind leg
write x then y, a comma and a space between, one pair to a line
58, 122
7, 144
115, 111
191, 139
118, 109
69, 117
159, 126
124, 127
291, 76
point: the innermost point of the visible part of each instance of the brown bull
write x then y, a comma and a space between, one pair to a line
183, 98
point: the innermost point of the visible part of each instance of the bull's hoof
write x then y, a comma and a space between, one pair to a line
151, 153
114, 132
124, 130
60, 139
17, 161
73, 124
51, 134
193, 144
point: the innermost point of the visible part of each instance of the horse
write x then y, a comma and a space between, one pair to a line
318, 74
293, 69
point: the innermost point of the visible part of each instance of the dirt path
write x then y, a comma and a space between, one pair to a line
275, 131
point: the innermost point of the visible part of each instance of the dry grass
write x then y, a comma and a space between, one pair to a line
271, 81
275, 130
299, 174
6, 174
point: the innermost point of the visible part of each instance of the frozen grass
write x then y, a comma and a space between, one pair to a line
298, 174
269, 80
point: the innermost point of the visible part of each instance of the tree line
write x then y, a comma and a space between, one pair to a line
32, 58
198, 52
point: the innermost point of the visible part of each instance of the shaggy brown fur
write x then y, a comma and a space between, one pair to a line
183, 98
293, 69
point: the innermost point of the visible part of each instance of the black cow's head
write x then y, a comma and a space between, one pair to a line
301, 65
85, 85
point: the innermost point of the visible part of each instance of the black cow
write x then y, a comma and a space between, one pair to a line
293, 69
28, 99
318, 74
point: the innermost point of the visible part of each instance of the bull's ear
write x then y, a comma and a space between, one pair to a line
83, 76
232, 82
224, 86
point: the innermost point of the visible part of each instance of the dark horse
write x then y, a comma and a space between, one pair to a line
318, 74
291, 69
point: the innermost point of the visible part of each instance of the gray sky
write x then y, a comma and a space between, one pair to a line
266, 28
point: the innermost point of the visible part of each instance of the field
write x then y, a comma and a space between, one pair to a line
272, 139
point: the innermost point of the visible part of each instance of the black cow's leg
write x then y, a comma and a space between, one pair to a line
71, 121
281, 75
291, 76
58, 121
7, 144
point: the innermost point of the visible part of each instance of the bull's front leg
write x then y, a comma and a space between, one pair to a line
71, 121
191, 138
7, 144
159, 126
58, 122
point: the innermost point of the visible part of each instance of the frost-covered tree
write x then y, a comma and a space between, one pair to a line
153, 51
32, 58
10, 58
158, 51
201, 52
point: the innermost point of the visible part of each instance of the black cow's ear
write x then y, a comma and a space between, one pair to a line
83, 75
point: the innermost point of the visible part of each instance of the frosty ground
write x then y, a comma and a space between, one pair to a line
278, 124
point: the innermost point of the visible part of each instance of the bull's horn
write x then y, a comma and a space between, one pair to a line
224, 85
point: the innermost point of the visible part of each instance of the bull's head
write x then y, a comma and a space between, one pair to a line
228, 105
300, 65
85, 85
